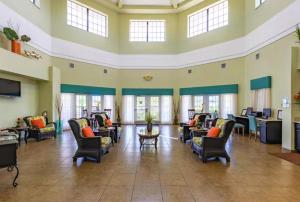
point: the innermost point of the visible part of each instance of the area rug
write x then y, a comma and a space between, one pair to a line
291, 157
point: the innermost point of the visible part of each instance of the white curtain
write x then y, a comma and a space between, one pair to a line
186, 104
128, 109
261, 99
109, 103
166, 110
228, 104
68, 110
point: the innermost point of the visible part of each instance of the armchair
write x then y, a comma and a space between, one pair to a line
40, 133
207, 147
184, 130
101, 118
94, 147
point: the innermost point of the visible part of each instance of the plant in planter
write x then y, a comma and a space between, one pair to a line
149, 120
59, 106
25, 38
118, 116
12, 35
298, 33
176, 109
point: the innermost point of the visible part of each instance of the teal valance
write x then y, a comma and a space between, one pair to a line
208, 90
260, 83
92, 90
147, 91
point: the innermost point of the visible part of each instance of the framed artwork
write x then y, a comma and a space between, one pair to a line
279, 115
244, 112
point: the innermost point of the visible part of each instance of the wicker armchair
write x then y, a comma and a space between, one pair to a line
101, 117
94, 147
184, 130
207, 147
40, 133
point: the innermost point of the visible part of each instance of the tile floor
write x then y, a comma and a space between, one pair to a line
172, 173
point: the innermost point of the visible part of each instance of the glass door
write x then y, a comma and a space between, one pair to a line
154, 106
145, 104
140, 109
81, 104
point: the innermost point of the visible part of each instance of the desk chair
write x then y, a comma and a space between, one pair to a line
237, 126
253, 127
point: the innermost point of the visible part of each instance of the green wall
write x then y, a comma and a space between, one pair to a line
14, 107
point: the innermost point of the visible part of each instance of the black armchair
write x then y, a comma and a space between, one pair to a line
207, 147
94, 147
40, 133
184, 130
101, 118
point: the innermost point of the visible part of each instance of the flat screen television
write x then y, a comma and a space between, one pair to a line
10, 88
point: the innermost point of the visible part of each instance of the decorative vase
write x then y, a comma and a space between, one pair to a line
149, 127
59, 127
16, 47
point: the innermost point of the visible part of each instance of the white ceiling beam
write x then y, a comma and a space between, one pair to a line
174, 3
120, 3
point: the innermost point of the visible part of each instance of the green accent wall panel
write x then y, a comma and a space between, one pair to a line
92, 90
260, 83
209, 90
147, 91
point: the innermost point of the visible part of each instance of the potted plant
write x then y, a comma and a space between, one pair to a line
298, 33
149, 120
176, 110
59, 107
118, 116
12, 35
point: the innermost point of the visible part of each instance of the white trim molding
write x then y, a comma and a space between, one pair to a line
274, 29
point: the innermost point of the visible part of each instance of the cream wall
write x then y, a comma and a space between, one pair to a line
38, 16
13, 107
167, 47
212, 74
256, 17
61, 30
233, 30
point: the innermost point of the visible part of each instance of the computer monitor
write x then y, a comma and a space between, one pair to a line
267, 112
249, 111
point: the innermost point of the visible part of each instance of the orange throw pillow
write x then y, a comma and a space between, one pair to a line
108, 122
192, 122
39, 123
214, 132
88, 132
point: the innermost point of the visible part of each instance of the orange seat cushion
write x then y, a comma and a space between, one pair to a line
108, 122
39, 123
88, 132
214, 132
192, 122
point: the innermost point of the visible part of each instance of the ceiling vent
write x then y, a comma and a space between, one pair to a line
72, 65
257, 56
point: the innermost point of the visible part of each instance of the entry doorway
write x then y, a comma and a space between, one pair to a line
145, 104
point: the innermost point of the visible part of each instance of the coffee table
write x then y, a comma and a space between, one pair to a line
145, 135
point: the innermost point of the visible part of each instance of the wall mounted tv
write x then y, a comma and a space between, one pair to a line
10, 88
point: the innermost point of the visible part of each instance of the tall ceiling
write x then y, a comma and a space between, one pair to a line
149, 2
149, 6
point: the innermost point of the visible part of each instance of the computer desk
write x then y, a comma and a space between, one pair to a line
270, 130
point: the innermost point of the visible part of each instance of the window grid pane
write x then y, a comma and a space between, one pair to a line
209, 19
77, 15
213, 103
198, 104
86, 19
218, 16
97, 23
156, 31
138, 30
147, 31
96, 103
